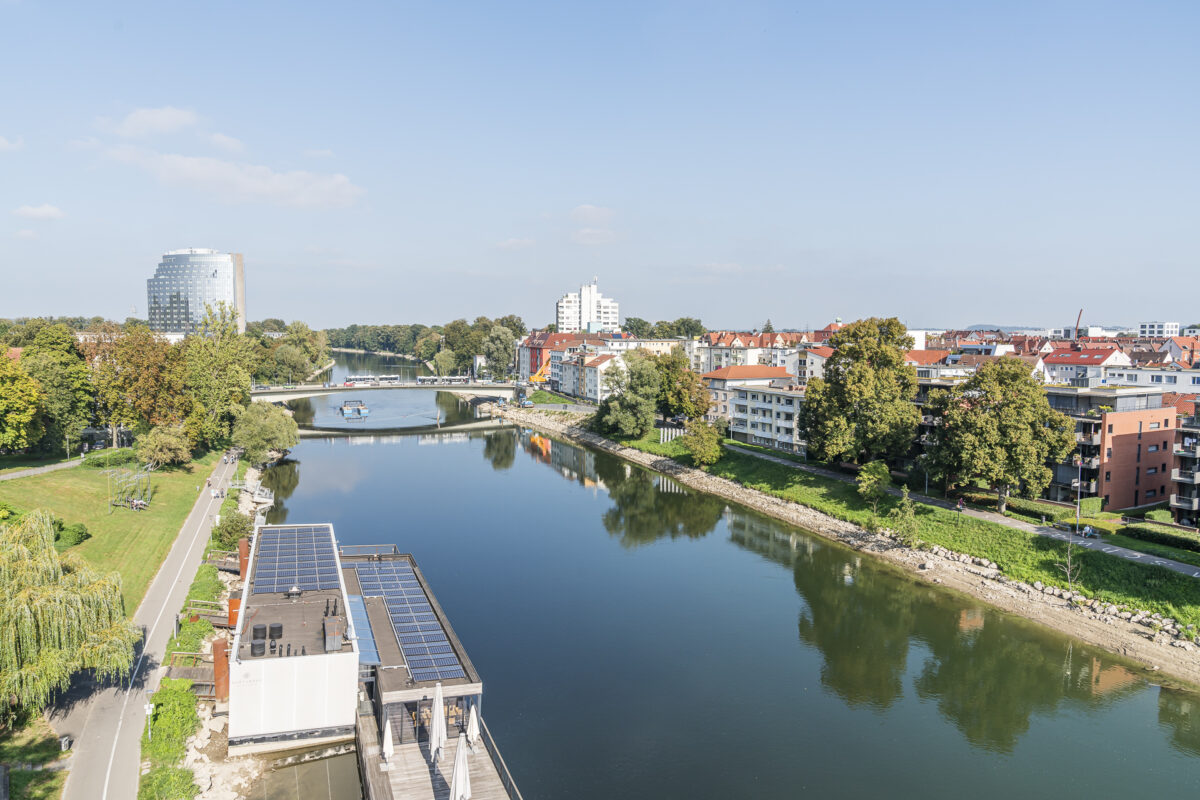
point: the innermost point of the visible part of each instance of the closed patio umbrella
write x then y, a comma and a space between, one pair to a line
473, 726
460, 778
437, 726
388, 748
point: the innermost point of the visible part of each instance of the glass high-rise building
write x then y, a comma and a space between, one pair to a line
187, 281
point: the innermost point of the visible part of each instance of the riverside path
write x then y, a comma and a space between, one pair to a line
1190, 570
107, 725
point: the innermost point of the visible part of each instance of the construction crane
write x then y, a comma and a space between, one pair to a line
1075, 334
540, 375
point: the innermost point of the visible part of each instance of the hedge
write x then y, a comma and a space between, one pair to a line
1091, 506
1148, 532
1159, 515
1024, 506
103, 459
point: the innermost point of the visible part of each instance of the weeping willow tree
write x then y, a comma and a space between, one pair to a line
57, 616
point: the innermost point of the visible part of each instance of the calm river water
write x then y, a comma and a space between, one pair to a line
639, 640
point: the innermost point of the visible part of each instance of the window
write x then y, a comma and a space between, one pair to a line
1152, 448
1155, 379
1110, 427
1149, 493
1107, 476
1151, 470
1153, 426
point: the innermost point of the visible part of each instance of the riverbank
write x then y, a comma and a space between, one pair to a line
1145, 638
319, 370
405, 356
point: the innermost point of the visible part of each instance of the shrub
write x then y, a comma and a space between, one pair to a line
165, 445
8, 513
174, 720
1091, 506
1159, 515
191, 636
1024, 506
69, 535
1175, 537
110, 458
233, 527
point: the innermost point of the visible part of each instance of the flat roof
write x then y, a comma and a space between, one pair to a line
414, 643
294, 581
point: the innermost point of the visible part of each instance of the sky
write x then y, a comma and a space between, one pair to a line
947, 163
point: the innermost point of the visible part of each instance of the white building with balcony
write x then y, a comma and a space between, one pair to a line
587, 310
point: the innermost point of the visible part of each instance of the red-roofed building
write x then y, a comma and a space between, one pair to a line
828, 331
723, 384
924, 358
1184, 350
1065, 366
582, 375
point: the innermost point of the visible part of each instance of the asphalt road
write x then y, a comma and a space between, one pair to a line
107, 722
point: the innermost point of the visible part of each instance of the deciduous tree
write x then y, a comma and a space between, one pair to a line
681, 391
629, 412
165, 445
702, 441
873, 481
500, 350
636, 326
67, 394
444, 361
998, 427
262, 428
20, 407
58, 616
862, 409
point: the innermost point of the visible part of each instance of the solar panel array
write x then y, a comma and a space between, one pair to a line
300, 556
368, 653
426, 649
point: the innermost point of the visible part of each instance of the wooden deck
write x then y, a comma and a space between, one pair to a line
412, 776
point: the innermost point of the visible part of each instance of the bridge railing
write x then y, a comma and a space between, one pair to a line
506, 778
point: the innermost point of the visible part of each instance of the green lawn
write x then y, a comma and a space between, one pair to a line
1023, 556
16, 463
33, 743
41, 785
134, 543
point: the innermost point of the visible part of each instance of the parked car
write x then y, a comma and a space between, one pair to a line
526, 404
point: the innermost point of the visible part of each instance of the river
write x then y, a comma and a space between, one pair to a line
640, 640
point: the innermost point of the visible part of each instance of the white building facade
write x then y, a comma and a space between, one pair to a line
587, 310
1149, 330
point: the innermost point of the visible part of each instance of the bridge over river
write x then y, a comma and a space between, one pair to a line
294, 392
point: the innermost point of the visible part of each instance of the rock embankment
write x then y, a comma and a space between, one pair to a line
1160, 644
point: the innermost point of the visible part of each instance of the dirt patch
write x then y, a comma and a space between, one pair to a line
1146, 638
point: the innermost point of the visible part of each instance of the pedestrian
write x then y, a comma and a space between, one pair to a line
961, 505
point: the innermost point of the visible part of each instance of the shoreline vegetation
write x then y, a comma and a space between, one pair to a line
405, 356
1144, 613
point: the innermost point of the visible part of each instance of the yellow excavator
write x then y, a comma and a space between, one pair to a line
540, 375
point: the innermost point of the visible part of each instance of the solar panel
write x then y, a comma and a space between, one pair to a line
427, 650
296, 555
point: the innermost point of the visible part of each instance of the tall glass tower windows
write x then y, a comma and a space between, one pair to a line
187, 282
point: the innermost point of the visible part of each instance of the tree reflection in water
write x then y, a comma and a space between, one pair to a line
303, 410
1179, 713
282, 478
988, 674
648, 507
501, 449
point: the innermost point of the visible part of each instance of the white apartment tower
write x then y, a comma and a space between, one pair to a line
587, 310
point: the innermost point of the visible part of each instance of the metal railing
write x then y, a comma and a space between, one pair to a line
1185, 475
506, 778
351, 550
1184, 502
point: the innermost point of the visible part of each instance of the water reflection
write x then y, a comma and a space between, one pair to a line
501, 449
1179, 714
282, 478
988, 675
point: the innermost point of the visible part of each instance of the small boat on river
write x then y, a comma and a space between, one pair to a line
354, 409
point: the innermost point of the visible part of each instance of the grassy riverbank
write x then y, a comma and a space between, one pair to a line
133, 543
1021, 555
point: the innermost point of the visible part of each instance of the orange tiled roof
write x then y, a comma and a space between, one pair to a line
747, 372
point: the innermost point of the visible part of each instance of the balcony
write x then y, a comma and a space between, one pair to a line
1091, 463
1188, 451
1190, 423
1092, 439
1186, 503
1185, 476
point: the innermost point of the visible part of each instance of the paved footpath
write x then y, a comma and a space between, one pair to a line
1190, 570
25, 473
107, 725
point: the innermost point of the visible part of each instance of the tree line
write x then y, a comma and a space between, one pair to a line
125, 377
451, 348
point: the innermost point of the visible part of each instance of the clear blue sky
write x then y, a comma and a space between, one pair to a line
945, 162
